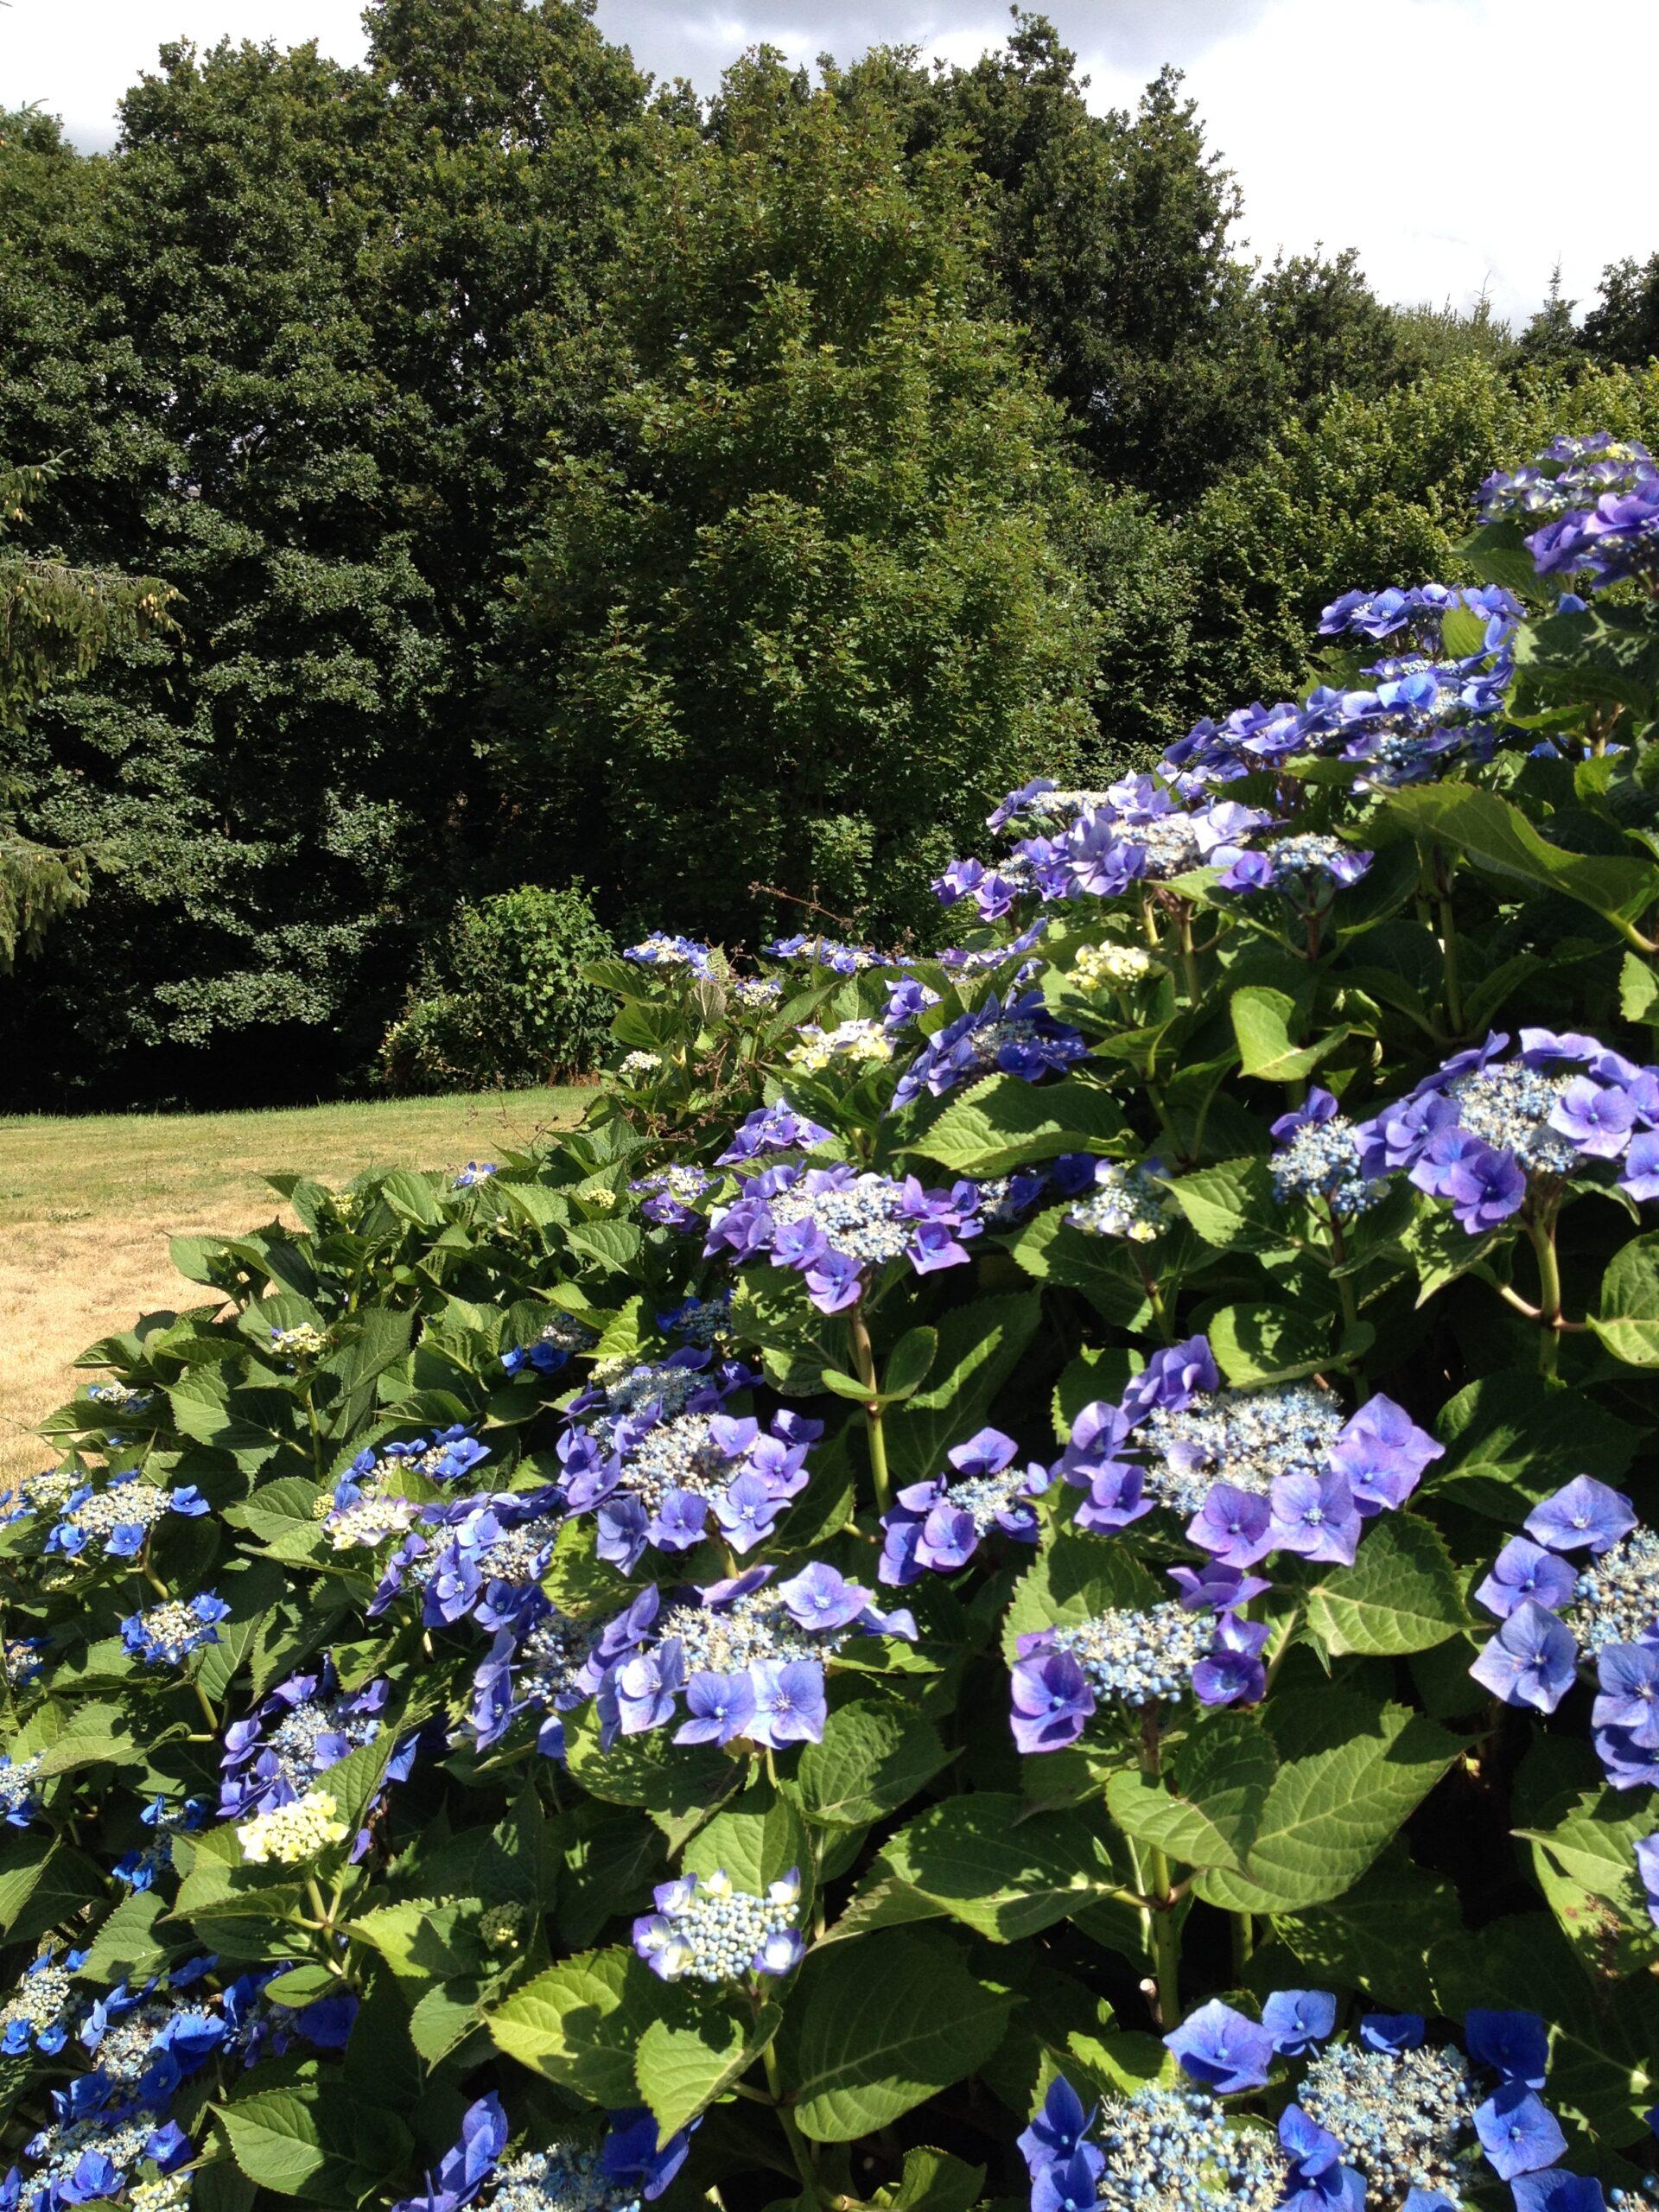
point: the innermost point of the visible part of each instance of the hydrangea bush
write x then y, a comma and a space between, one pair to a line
1028, 1569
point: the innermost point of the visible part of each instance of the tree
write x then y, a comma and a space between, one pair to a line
1623, 324
808, 613
57, 624
328, 320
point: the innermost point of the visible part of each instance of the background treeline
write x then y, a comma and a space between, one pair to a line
563, 480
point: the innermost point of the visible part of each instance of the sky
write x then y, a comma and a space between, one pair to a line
1428, 134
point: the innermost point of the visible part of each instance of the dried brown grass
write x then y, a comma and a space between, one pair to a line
87, 1206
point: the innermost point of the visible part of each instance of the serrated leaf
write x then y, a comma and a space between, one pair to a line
1354, 1775
1206, 1811
1257, 1345
756, 1840
580, 2022
990, 1862
1627, 1323
1005, 1121
1232, 1206
683, 2064
1401, 1593
1263, 1020
862, 2048
1497, 838
873, 1757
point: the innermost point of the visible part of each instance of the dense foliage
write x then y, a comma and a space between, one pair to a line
506, 1001
1037, 1558
567, 482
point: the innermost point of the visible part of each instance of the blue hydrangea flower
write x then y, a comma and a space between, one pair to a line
559, 1338
481, 1559
1015, 1035
371, 1506
834, 1227
827, 952
116, 1522
748, 1659
44, 2008
20, 1797
670, 953
1256, 1472
938, 1525
1158, 2150
583, 2171
706, 1929
670, 1195
1196, 1646
1319, 1162
166, 1635
699, 1321
772, 1130
93, 2147
475, 1171
142, 1869
306, 1725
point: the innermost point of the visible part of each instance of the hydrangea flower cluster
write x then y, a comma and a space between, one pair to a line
706, 1929
115, 1523
547, 1663
478, 1558
45, 2007
1130, 1202
756, 992
834, 1227
1015, 1035
1308, 869
475, 1171
1257, 1471
128, 1402
307, 1724
1318, 1161
772, 1130
583, 2171
365, 1511
981, 960
1387, 2120
670, 1194
294, 1835
1197, 1645
639, 1066
699, 1321
556, 1342
747, 1659
939, 1524
143, 1869
1595, 499
857, 1043
663, 949
827, 952
659, 1479
166, 1635
1558, 1618
1481, 1129
1412, 613
19, 1792
1109, 967
305, 1341
1041, 804
92, 2150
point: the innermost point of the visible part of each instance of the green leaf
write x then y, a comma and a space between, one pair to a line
932, 2181
908, 1366
1232, 1206
411, 1195
979, 1347
1378, 1936
1639, 991
757, 1838
614, 1246
1206, 1812
873, 1758
864, 2044
1349, 1777
1254, 1345
327, 2149
683, 2064
1401, 1593
1005, 1121
580, 2023
1604, 654
1263, 1020
1514, 1437
1627, 1323
1002, 1870
1497, 838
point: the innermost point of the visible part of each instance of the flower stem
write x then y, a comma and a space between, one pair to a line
1542, 1234
1452, 986
1165, 1943
206, 1703
1243, 1942
800, 2150
864, 1360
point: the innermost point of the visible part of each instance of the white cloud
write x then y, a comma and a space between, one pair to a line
1425, 134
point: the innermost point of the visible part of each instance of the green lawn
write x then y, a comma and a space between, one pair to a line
87, 1205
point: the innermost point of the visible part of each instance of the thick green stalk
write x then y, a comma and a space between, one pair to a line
1542, 1234
800, 2149
1165, 1943
864, 1363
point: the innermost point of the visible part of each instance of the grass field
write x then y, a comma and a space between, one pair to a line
86, 1208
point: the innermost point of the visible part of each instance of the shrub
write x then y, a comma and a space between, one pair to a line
1004, 1562
512, 1006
